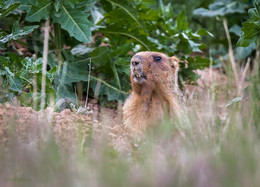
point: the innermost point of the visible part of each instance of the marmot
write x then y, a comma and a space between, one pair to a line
154, 90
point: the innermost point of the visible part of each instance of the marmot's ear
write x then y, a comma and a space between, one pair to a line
174, 62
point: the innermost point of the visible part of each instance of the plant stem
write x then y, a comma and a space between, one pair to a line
57, 35
34, 92
242, 83
108, 85
45, 60
89, 70
76, 96
230, 52
256, 61
58, 42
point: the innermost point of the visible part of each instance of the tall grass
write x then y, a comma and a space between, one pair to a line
221, 147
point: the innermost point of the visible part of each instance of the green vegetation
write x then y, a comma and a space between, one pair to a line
251, 28
110, 31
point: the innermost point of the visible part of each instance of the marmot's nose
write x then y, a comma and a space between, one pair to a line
135, 62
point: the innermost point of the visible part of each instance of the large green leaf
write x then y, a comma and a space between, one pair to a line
15, 83
113, 67
251, 32
243, 52
199, 62
28, 2
251, 28
8, 8
74, 72
75, 22
81, 49
17, 33
235, 29
221, 8
113, 95
204, 32
187, 45
129, 9
109, 85
39, 11
255, 12
8, 3
181, 22
188, 75
131, 35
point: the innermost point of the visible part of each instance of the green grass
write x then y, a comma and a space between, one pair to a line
221, 147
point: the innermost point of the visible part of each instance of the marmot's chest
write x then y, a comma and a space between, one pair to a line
153, 108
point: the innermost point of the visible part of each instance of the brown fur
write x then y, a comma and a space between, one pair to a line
154, 92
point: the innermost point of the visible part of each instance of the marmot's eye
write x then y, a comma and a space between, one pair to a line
157, 59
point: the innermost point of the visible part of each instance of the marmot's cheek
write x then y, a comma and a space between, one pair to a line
166, 74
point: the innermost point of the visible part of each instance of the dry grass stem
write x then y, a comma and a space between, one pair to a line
230, 53
45, 60
89, 71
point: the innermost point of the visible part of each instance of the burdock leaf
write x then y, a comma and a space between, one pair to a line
75, 22
251, 28
129, 9
39, 11
16, 33
221, 8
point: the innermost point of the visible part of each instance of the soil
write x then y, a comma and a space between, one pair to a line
27, 125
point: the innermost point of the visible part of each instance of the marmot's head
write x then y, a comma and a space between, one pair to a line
153, 68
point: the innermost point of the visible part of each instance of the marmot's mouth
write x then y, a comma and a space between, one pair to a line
138, 76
